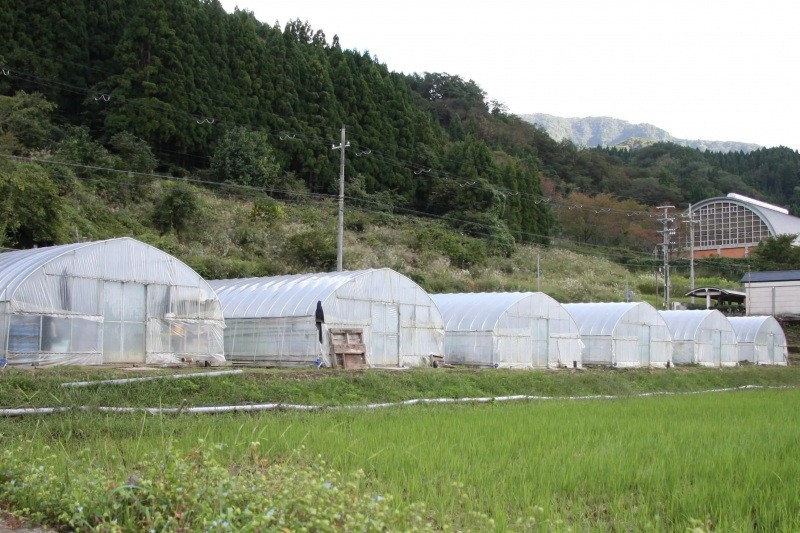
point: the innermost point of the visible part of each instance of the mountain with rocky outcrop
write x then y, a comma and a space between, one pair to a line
606, 131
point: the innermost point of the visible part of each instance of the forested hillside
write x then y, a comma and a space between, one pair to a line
113, 113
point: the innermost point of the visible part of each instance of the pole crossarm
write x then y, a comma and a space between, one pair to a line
667, 233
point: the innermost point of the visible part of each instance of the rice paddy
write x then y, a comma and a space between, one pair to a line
725, 461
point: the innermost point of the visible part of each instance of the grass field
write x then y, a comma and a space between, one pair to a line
725, 461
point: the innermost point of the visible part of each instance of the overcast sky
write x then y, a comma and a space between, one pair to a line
700, 69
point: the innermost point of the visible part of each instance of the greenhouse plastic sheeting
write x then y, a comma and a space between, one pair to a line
508, 329
271, 321
114, 301
702, 337
622, 334
761, 340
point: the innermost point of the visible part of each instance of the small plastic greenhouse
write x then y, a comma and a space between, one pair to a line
273, 321
114, 301
703, 337
508, 329
761, 340
622, 334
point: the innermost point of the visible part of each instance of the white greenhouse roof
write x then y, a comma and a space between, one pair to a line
481, 311
683, 325
295, 295
120, 259
601, 318
747, 328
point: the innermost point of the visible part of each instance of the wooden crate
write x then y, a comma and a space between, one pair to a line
348, 350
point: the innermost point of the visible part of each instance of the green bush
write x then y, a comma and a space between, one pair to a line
463, 252
197, 491
314, 249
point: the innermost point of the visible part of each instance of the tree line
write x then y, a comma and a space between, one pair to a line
184, 88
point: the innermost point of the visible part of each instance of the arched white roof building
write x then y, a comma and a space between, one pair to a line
761, 340
508, 329
271, 321
113, 301
732, 225
703, 337
622, 334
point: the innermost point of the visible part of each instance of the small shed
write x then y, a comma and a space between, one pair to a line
622, 334
113, 301
508, 329
702, 337
775, 293
289, 320
761, 340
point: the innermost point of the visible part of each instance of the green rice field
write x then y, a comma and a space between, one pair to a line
722, 461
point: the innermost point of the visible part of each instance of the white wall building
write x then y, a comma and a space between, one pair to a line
772, 293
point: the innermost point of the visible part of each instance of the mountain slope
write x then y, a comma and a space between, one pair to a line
606, 131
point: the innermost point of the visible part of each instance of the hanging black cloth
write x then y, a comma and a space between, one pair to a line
319, 317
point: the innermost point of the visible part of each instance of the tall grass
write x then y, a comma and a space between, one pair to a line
727, 460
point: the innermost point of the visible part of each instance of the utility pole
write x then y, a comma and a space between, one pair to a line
667, 233
340, 233
691, 222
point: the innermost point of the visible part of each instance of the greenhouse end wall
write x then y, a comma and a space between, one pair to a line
115, 301
271, 321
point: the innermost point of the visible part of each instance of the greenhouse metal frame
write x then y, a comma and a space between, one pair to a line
622, 334
702, 337
508, 329
273, 321
762, 340
112, 301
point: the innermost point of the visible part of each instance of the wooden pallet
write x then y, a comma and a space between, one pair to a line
348, 350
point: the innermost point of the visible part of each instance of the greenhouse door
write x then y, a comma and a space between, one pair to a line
541, 343
770, 349
644, 345
124, 322
385, 346
716, 347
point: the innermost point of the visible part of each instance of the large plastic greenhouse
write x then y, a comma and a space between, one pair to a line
761, 340
508, 329
113, 301
273, 321
622, 334
702, 337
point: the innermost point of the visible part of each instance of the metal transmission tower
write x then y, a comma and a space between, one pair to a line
667, 233
340, 233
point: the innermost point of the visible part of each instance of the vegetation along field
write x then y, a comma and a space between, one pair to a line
724, 461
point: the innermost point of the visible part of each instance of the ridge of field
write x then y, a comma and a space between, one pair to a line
41, 387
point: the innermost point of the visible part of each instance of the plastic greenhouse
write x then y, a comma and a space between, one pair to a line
508, 329
272, 321
761, 340
114, 301
703, 337
622, 334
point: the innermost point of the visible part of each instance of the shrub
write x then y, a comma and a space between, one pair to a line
463, 252
313, 249
195, 491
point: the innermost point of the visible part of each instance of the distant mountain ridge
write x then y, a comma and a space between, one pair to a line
606, 131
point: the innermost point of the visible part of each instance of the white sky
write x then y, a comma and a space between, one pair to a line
700, 69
